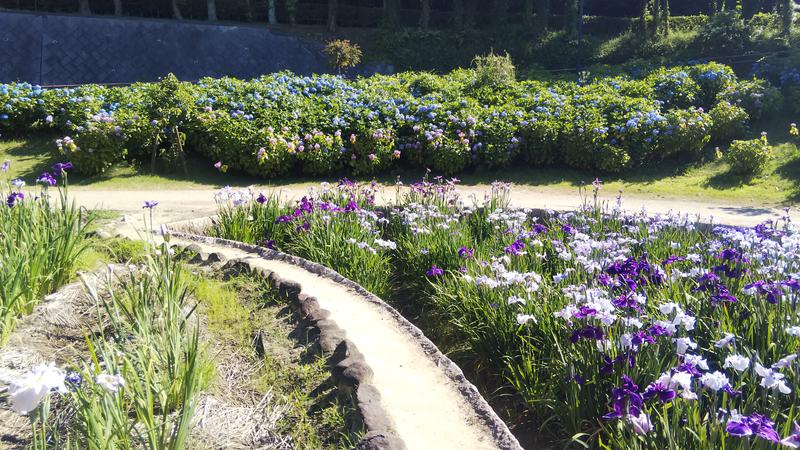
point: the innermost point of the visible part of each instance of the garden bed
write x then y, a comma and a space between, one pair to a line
481, 118
259, 381
594, 328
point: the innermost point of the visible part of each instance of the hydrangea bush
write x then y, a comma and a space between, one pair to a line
611, 329
282, 124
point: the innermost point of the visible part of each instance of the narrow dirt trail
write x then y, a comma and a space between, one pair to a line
185, 204
423, 403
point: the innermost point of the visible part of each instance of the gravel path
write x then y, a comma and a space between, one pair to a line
185, 204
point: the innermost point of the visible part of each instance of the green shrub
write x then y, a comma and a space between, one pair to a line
342, 54
725, 33
494, 70
728, 121
757, 97
749, 157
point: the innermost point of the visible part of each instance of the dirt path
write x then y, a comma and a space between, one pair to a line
185, 204
424, 405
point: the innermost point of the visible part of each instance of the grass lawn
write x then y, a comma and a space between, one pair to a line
708, 181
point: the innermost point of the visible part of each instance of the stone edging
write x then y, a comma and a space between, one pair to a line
501, 435
348, 367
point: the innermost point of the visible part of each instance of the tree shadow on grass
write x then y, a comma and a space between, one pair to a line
790, 170
728, 180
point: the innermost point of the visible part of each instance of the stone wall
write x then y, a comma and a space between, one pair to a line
51, 49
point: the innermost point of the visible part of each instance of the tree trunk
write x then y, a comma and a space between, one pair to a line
527, 14
643, 10
211, 7
271, 16
656, 17
333, 6
571, 12
665, 17
83, 7
469, 13
542, 16
117, 7
176, 11
425, 14
787, 16
500, 17
391, 13
458, 14
748, 8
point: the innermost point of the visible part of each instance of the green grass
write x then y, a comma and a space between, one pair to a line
234, 310
708, 181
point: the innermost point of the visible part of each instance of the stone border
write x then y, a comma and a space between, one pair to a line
501, 435
348, 368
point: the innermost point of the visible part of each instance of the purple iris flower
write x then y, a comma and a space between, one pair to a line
516, 248
569, 229
588, 332
465, 252
5, 166
351, 206
284, 219
13, 198
150, 204
269, 243
434, 271
61, 167
303, 227
47, 179
657, 330
672, 259
625, 400
662, 392
261, 199
754, 424
539, 228
584, 311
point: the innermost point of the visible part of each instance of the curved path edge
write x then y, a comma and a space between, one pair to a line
501, 436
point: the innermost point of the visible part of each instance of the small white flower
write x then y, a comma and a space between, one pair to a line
18, 183
737, 362
516, 300
641, 424
772, 380
29, 390
793, 331
111, 383
785, 362
714, 380
725, 341
684, 344
668, 308
522, 319
696, 361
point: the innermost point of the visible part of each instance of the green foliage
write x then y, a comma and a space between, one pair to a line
725, 33
749, 157
729, 121
494, 71
342, 54
41, 241
283, 124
